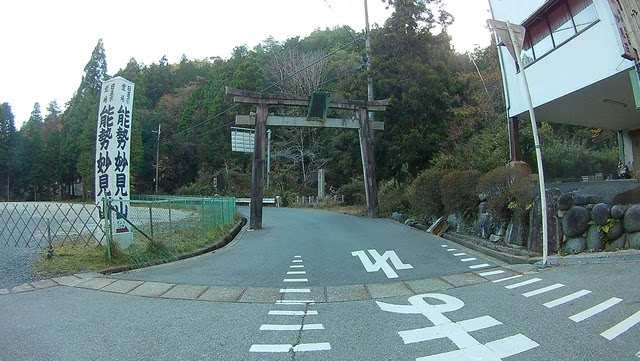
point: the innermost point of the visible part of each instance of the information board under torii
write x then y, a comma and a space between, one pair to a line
113, 141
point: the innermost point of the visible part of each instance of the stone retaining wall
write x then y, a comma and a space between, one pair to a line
576, 223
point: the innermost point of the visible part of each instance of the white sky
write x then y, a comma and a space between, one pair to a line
45, 44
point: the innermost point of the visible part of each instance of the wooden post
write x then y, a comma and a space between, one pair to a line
257, 174
368, 164
514, 140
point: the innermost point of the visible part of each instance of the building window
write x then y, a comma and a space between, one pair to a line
584, 13
556, 25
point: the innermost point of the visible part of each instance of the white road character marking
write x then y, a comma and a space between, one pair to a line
381, 262
457, 332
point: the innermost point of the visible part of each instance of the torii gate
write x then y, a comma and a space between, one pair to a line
262, 119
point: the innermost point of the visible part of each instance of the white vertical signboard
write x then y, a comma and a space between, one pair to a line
113, 141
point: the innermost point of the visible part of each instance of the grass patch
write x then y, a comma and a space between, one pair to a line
167, 246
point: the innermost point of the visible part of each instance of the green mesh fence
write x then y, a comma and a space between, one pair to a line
165, 218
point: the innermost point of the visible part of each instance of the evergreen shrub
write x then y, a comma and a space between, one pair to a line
353, 192
458, 191
424, 195
507, 190
392, 197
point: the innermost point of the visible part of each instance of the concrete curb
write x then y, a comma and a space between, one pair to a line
505, 257
552, 260
242, 294
225, 241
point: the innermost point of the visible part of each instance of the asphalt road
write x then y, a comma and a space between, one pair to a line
441, 307
325, 239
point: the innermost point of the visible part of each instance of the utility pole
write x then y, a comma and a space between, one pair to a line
367, 42
268, 157
157, 155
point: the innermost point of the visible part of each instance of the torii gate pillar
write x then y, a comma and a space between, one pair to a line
257, 174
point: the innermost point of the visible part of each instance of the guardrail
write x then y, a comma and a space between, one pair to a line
275, 201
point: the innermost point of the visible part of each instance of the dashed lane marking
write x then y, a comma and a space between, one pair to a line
459, 254
303, 347
295, 290
468, 259
297, 272
543, 290
292, 313
523, 283
506, 279
581, 316
295, 280
622, 327
295, 302
565, 299
297, 266
478, 266
491, 273
307, 327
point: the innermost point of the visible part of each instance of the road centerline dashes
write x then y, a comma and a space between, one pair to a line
298, 327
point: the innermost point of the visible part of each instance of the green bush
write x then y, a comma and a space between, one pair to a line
507, 190
203, 186
353, 192
458, 191
392, 198
424, 194
570, 159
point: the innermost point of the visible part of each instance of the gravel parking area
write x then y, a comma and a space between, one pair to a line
16, 265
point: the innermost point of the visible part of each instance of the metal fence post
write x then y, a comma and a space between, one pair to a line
50, 250
170, 225
151, 218
204, 226
107, 225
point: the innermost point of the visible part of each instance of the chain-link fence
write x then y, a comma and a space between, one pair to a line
170, 219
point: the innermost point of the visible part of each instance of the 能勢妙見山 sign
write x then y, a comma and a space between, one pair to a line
113, 141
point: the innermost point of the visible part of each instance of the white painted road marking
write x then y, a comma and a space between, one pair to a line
523, 283
297, 261
444, 246
477, 266
295, 302
292, 313
622, 327
297, 272
295, 290
498, 350
296, 266
490, 273
506, 279
581, 316
459, 254
468, 259
543, 290
451, 250
297, 256
296, 280
303, 347
381, 262
308, 327
566, 299
457, 332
